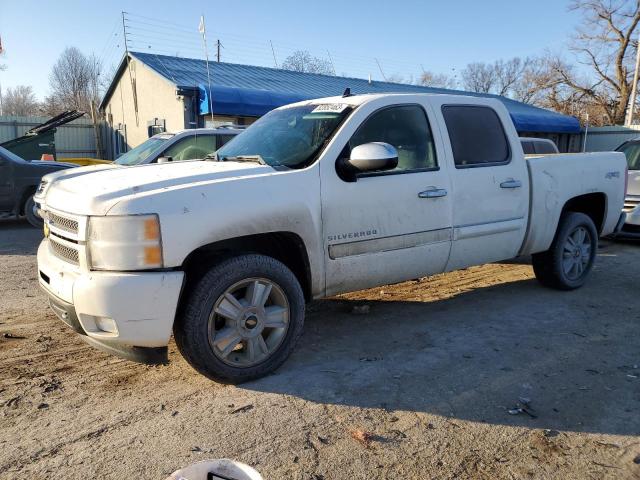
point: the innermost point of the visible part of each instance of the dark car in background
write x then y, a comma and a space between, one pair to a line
538, 146
19, 180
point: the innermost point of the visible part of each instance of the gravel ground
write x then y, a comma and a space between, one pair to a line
419, 385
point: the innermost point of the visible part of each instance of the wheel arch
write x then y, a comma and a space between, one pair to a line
26, 192
594, 205
286, 247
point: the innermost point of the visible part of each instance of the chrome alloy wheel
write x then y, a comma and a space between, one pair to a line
576, 253
248, 322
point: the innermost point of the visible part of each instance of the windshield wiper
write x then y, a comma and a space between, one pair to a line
244, 158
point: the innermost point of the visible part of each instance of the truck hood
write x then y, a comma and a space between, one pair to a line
95, 192
66, 173
633, 182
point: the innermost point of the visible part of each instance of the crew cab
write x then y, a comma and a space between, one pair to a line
19, 180
315, 199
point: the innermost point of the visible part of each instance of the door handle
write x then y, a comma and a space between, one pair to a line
511, 184
433, 193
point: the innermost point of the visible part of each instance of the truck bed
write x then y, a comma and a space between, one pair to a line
557, 178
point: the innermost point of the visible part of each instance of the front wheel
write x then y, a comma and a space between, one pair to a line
567, 263
242, 319
31, 214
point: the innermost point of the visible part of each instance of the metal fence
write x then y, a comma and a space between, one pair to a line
73, 140
604, 139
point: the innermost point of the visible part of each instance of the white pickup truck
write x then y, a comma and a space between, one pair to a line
316, 198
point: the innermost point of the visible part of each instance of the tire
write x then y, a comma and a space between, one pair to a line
30, 213
268, 334
567, 263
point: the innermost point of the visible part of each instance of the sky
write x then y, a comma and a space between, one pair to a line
360, 37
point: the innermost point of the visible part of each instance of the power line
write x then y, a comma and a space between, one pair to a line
155, 36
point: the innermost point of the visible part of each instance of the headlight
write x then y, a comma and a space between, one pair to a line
124, 242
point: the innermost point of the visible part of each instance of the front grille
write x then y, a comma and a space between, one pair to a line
62, 223
64, 252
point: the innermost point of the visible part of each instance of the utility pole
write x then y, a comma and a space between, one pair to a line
2, 67
274, 54
333, 67
381, 72
634, 88
133, 83
203, 31
218, 45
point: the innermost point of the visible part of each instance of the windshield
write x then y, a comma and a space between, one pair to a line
291, 137
146, 149
632, 152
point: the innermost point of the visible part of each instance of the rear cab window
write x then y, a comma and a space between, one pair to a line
477, 136
545, 148
527, 148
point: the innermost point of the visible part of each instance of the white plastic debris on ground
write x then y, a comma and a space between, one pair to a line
222, 469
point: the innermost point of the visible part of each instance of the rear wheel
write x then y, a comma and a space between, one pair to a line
569, 260
242, 320
30, 213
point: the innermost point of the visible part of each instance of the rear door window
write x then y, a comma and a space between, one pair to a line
477, 136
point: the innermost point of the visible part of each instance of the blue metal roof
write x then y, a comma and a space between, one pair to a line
247, 90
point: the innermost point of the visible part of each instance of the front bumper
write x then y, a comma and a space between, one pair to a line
130, 314
631, 225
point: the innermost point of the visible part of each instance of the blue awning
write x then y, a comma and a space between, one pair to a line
235, 101
243, 101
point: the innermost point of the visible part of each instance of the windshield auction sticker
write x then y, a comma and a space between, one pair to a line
330, 107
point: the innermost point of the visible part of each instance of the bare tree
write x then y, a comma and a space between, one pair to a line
399, 78
437, 80
604, 43
303, 61
50, 106
479, 77
20, 101
531, 81
508, 74
75, 80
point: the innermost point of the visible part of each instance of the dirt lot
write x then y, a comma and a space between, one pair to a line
424, 380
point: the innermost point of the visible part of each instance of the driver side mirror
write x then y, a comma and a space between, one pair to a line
373, 157
165, 159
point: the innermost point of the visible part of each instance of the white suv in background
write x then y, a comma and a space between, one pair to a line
192, 144
631, 150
